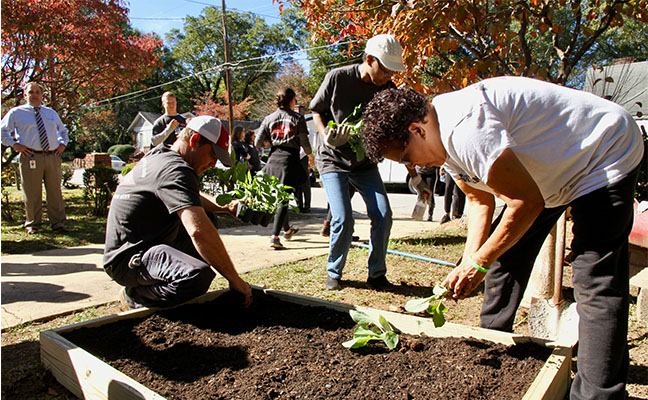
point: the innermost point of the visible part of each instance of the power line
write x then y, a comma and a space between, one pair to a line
232, 65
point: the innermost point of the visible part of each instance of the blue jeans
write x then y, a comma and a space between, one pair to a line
371, 188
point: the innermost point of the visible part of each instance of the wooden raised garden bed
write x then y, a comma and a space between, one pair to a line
191, 352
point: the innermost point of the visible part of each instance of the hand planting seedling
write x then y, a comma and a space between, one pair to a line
433, 305
354, 120
365, 332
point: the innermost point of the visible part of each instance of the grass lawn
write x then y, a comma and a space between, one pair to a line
23, 376
82, 227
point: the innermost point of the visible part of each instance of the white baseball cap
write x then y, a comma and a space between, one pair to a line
213, 130
387, 50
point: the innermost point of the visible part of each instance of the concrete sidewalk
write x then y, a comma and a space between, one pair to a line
56, 282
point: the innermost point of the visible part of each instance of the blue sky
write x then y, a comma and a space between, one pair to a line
160, 16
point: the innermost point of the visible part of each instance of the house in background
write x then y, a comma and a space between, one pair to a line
142, 129
625, 83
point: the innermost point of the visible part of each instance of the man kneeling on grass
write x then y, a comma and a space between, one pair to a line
160, 243
540, 148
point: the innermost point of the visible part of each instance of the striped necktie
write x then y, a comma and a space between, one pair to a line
42, 133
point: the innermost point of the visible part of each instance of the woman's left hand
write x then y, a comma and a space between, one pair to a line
463, 280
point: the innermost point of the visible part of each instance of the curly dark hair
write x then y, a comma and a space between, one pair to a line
388, 116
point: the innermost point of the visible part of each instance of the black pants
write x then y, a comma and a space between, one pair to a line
168, 274
281, 220
303, 191
453, 198
602, 221
431, 180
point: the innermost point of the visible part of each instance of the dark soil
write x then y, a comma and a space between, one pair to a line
281, 350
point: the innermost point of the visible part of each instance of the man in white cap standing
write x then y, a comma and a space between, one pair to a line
160, 244
342, 90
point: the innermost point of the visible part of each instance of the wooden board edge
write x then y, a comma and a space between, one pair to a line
551, 382
554, 379
86, 375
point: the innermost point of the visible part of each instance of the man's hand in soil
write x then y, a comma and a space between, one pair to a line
462, 280
244, 288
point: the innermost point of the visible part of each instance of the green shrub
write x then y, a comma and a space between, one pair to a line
99, 185
123, 151
67, 172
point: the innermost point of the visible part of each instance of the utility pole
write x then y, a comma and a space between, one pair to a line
228, 83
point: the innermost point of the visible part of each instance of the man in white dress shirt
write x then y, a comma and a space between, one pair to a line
37, 133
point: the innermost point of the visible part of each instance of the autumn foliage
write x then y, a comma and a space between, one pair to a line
217, 106
80, 50
449, 44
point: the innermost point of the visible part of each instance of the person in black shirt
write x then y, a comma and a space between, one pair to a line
160, 244
164, 128
255, 160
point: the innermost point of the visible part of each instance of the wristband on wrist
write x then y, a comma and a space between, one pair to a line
477, 266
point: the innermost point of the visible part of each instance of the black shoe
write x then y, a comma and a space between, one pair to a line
380, 283
332, 283
326, 229
275, 243
355, 238
446, 218
292, 231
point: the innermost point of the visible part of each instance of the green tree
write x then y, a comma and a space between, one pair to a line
200, 47
292, 75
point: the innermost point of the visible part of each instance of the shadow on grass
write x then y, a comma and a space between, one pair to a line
438, 240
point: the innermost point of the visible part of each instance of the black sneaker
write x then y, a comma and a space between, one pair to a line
275, 243
332, 283
380, 283
288, 235
446, 218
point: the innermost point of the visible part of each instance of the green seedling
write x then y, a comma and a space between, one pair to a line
369, 330
354, 120
433, 305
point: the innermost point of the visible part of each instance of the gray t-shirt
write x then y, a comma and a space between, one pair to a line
338, 95
143, 209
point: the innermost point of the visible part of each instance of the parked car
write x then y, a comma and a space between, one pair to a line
116, 163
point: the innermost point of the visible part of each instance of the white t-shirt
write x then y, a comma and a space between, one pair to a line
571, 142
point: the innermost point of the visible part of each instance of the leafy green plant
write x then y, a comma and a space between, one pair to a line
369, 330
354, 120
433, 305
260, 192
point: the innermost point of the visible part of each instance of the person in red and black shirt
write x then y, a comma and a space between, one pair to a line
286, 130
